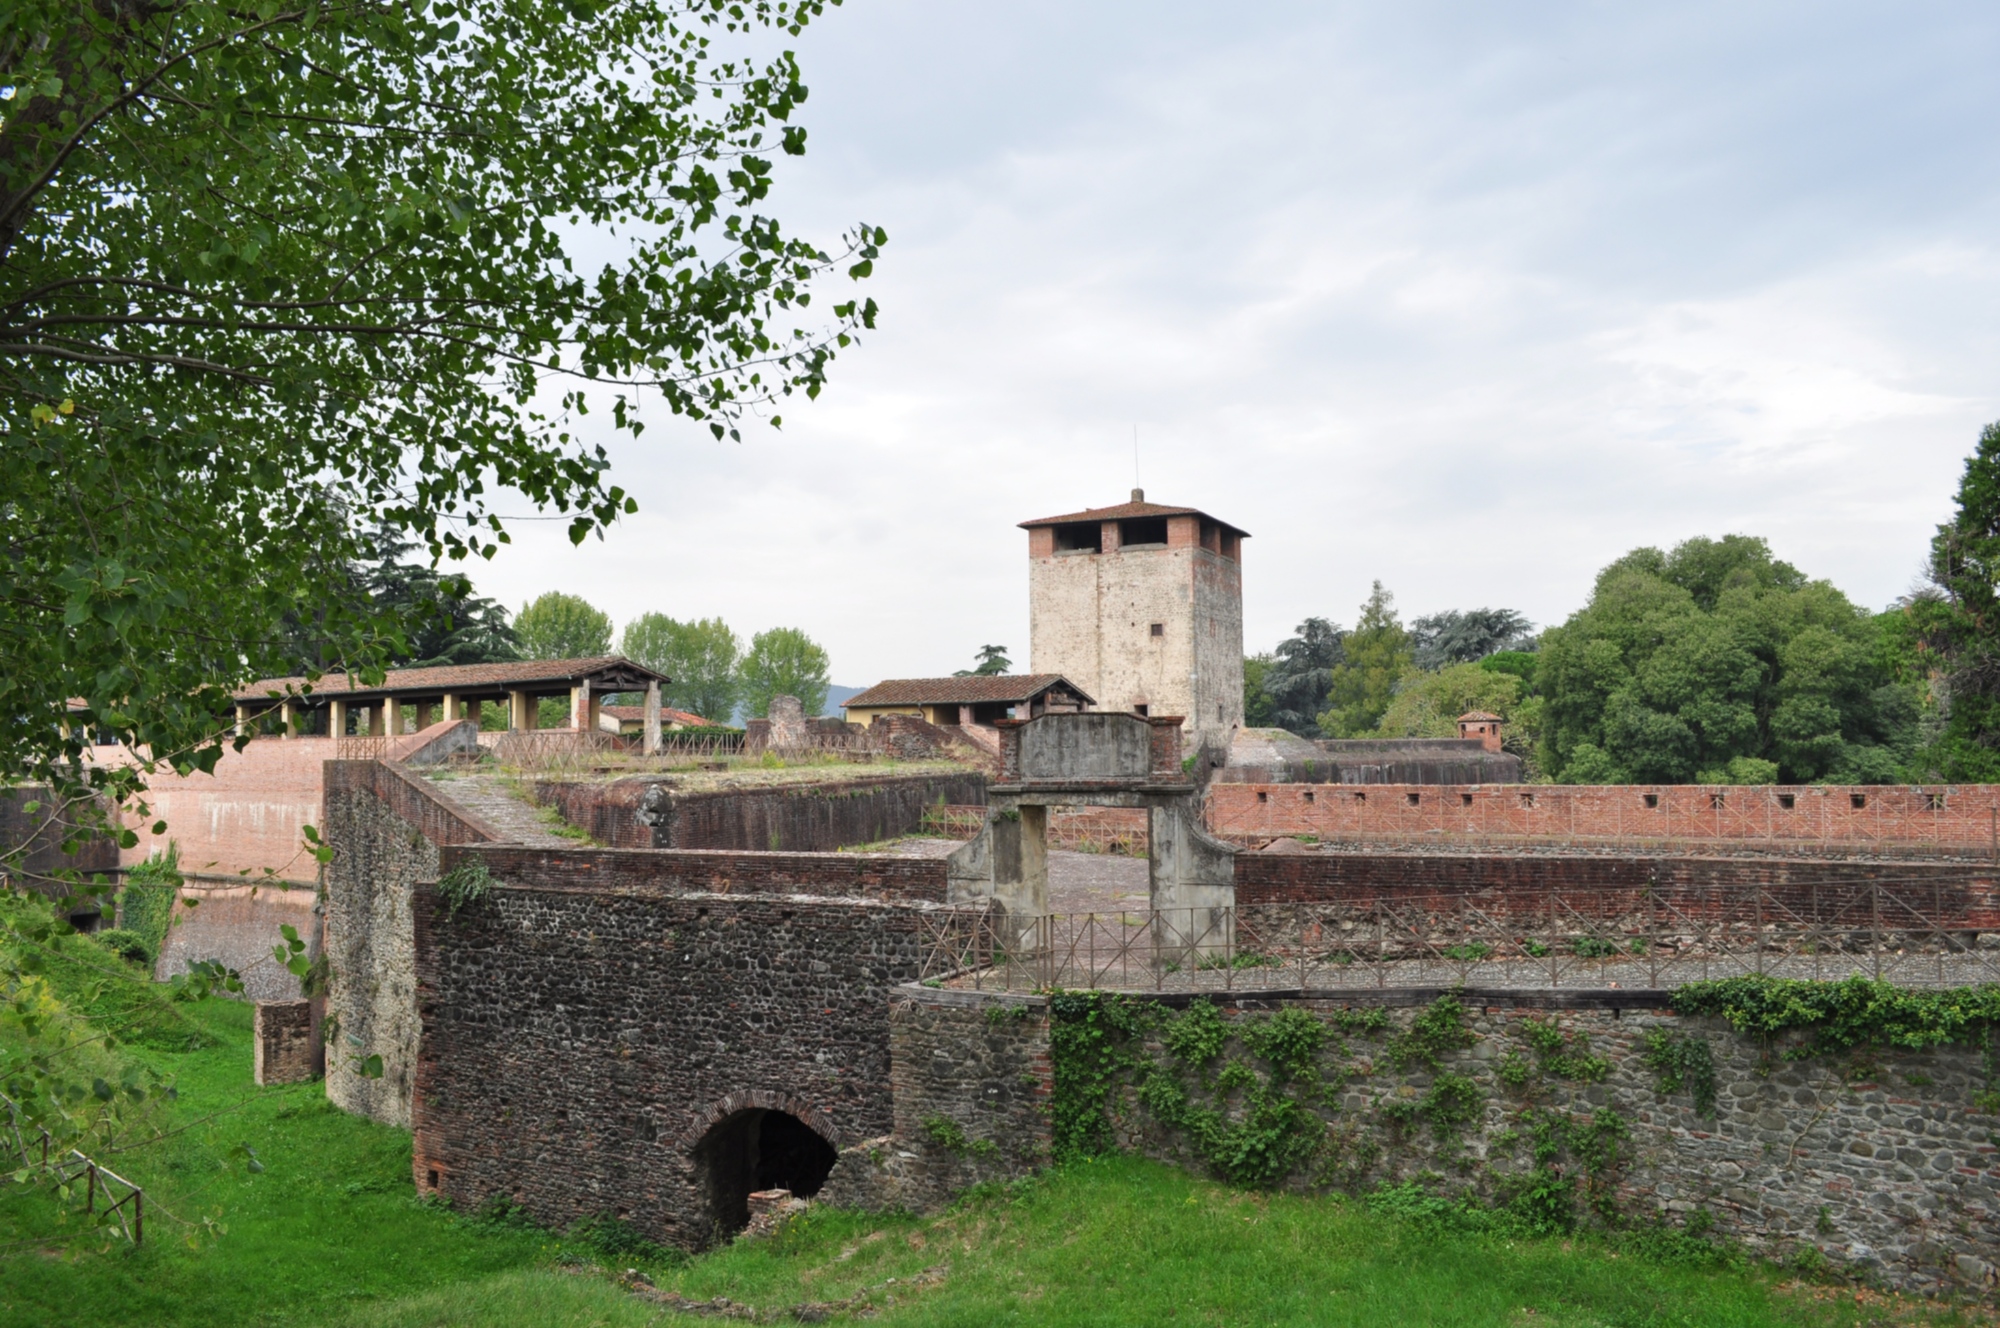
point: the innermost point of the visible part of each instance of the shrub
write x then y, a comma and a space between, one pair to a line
126, 944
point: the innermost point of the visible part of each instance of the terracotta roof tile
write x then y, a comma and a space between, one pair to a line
992, 688
460, 677
668, 715
1127, 512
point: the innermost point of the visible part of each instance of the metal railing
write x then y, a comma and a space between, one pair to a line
1652, 940
68, 1167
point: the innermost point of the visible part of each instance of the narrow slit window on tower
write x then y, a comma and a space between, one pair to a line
1309, 796
1263, 797
1139, 710
1857, 800
1716, 800
1361, 797
1159, 629
1652, 799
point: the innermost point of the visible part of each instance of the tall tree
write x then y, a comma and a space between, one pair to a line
700, 655
263, 265
992, 661
560, 626
1378, 653
1464, 636
1691, 664
1958, 621
1427, 704
785, 662
1296, 679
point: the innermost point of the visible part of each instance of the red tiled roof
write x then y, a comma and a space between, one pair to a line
1476, 715
992, 688
459, 677
1127, 512
668, 715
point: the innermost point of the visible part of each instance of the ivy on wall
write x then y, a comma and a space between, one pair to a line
1843, 1016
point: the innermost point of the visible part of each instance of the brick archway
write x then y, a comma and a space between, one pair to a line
745, 1099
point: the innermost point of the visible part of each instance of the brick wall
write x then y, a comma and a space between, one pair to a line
652, 872
580, 1041
802, 818
287, 1043
1509, 886
1961, 819
237, 925
247, 816
37, 838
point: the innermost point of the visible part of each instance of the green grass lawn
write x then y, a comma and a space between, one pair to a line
329, 1232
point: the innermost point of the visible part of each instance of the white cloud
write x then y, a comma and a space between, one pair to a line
1465, 301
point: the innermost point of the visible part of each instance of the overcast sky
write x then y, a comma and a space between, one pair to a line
1470, 298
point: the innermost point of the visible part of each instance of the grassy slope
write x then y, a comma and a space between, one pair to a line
329, 1233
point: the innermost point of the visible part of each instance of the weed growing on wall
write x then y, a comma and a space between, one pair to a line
1856, 1013
146, 904
1439, 1030
1089, 1052
1682, 1060
465, 885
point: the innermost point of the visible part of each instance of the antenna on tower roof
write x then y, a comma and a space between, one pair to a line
1138, 494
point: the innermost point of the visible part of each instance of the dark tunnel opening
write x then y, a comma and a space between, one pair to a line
759, 1149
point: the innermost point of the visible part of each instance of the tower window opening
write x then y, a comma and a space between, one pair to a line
1080, 536
1142, 530
1416, 798
1857, 800
1159, 629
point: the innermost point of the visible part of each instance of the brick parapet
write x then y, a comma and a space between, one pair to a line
1962, 819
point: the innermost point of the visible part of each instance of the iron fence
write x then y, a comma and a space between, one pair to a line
1651, 940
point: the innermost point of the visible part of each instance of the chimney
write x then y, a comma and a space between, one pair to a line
1138, 495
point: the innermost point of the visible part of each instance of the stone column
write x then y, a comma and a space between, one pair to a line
453, 708
336, 719
375, 722
242, 719
285, 718
653, 718
392, 717
521, 712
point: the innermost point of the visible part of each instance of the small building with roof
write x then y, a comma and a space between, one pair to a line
1141, 604
408, 700
972, 699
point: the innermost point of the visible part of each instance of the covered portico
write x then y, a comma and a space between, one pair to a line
406, 700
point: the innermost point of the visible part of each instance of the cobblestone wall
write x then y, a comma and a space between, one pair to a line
970, 1079
1882, 1163
582, 1041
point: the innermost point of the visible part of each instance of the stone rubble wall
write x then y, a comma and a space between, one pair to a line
1886, 1164
287, 1046
580, 1038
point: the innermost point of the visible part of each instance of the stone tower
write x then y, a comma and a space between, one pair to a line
1141, 606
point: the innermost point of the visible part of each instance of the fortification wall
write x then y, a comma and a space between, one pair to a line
1957, 820
237, 925
584, 1029
247, 817
387, 830
1881, 1163
36, 837
796, 818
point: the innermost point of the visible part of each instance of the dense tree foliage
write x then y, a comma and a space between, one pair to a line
701, 655
1464, 636
1292, 681
562, 626
1683, 663
1428, 704
263, 266
1956, 625
1377, 653
784, 662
